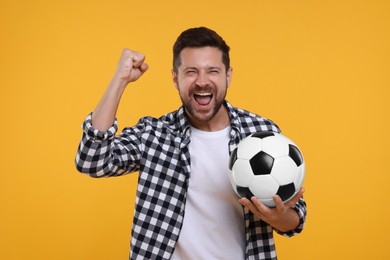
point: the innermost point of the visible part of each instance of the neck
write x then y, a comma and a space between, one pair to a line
220, 121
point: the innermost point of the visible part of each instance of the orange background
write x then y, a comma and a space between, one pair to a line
319, 69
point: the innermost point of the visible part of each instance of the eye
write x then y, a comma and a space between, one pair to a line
190, 72
214, 71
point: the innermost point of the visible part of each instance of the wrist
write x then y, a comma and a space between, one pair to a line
118, 84
290, 222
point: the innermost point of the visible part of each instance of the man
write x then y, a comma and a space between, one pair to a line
185, 206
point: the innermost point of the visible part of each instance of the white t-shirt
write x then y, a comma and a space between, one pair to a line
213, 226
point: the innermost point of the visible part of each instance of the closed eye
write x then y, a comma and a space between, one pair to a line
190, 71
214, 70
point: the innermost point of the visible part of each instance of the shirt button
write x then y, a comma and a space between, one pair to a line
171, 242
177, 150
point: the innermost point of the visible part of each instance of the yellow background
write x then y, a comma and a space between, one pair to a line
320, 69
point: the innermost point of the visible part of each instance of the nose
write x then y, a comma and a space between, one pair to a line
202, 80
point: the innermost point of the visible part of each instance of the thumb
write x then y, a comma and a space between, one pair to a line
144, 67
295, 199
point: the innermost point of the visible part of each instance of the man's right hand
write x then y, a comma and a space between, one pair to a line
131, 66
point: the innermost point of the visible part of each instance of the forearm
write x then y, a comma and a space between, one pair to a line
131, 66
105, 112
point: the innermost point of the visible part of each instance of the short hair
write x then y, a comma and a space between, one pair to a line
196, 38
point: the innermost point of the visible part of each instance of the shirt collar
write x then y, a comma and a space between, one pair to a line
181, 123
234, 121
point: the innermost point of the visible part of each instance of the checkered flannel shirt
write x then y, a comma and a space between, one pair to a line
158, 150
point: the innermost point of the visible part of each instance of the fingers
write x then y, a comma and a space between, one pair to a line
246, 203
278, 203
295, 199
144, 67
298, 195
137, 58
259, 205
255, 206
131, 66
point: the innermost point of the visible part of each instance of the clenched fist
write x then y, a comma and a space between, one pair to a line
131, 66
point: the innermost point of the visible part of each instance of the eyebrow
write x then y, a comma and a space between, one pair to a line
207, 68
190, 68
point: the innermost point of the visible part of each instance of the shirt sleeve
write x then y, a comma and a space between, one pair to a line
300, 208
102, 154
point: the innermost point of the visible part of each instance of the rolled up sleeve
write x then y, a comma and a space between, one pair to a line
101, 154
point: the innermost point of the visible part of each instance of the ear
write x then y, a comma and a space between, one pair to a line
229, 75
174, 79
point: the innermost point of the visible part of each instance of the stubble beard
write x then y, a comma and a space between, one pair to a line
200, 115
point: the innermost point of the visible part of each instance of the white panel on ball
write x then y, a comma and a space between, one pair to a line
242, 173
248, 148
284, 170
263, 186
285, 139
275, 146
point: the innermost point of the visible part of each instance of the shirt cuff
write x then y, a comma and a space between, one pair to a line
301, 211
96, 134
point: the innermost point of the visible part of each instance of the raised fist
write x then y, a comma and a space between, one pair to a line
131, 66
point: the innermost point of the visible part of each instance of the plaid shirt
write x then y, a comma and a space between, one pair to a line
158, 149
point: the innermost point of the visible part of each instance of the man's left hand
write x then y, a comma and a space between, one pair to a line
282, 217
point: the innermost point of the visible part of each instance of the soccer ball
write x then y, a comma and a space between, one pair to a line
266, 164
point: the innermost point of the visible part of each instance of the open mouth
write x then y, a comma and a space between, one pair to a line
203, 99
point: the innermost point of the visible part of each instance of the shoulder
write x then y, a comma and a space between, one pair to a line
167, 122
250, 122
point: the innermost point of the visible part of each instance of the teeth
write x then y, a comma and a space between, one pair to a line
203, 94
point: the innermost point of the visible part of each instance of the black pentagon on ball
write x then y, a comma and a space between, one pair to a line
262, 135
261, 163
232, 159
286, 191
244, 192
295, 154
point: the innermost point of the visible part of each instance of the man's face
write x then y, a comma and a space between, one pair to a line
202, 81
